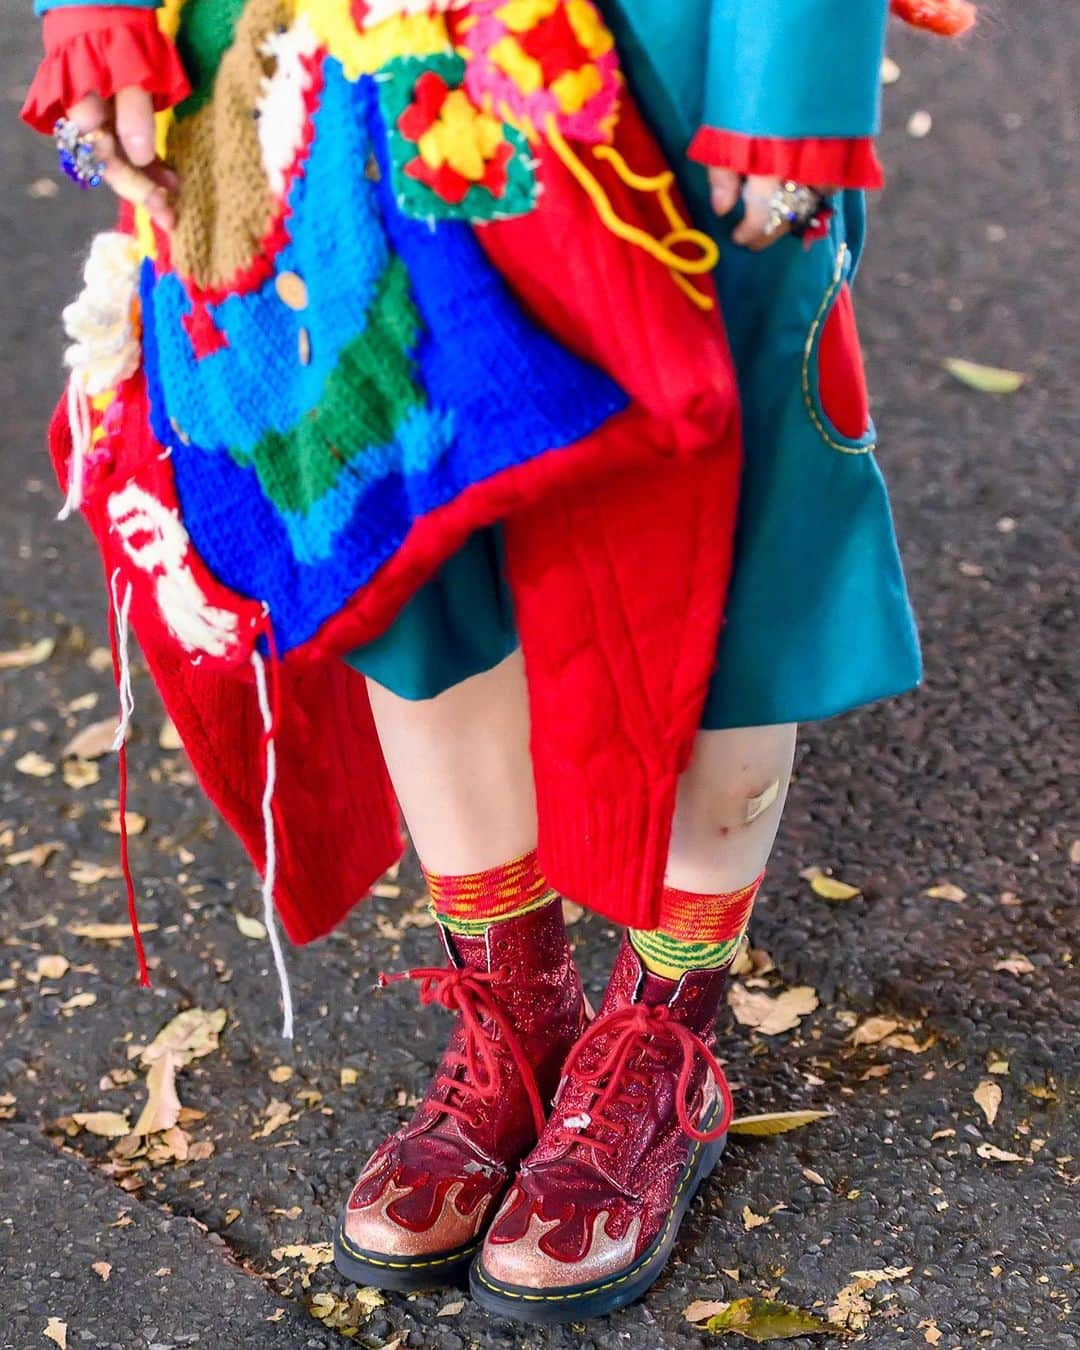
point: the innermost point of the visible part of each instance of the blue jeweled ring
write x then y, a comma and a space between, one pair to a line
793, 205
79, 155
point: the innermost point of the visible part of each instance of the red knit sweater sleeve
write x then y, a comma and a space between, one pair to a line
93, 49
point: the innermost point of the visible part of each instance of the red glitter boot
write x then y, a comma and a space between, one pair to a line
640, 1118
417, 1214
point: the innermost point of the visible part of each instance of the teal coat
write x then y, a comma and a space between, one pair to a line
818, 617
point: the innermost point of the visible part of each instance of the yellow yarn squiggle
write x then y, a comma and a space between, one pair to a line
663, 250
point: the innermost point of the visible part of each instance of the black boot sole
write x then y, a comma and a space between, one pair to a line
380, 1270
578, 1303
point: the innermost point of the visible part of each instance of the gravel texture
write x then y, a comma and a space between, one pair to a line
970, 782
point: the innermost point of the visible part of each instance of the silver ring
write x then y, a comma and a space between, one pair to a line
795, 206
79, 154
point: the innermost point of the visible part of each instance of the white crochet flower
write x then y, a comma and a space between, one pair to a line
104, 323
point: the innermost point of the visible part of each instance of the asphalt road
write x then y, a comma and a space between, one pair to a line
971, 782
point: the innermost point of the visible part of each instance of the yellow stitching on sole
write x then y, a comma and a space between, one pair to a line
808, 352
404, 1265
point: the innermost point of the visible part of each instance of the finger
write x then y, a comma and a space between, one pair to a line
135, 125
89, 113
724, 188
753, 230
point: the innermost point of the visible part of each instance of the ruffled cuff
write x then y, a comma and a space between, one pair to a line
98, 50
817, 161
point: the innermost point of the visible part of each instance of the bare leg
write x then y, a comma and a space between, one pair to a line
460, 766
729, 806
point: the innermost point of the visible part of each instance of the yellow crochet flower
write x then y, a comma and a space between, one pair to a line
463, 137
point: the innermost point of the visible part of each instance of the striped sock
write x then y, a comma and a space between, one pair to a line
469, 905
696, 932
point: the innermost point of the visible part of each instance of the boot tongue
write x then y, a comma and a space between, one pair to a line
467, 953
694, 999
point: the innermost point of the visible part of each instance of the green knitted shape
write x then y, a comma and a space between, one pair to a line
367, 397
397, 83
207, 30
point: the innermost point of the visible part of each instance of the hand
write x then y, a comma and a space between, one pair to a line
133, 170
756, 192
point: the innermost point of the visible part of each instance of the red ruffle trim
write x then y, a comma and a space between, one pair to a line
816, 161
100, 50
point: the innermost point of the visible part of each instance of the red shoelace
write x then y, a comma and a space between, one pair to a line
636, 1034
469, 993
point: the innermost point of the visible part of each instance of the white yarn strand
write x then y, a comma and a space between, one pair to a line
78, 411
122, 610
270, 871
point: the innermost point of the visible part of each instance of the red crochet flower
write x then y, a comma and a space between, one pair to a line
460, 146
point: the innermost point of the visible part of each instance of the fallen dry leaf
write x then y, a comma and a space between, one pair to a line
107, 932
903, 1040
775, 1122
281, 1073
768, 1015
85, 873
136, 823
52, 967
102, 1269
92, 741
932, 1333
851, 1309
873, 1030
251, 928
704, 1308
34, 765
36, 856
278, 1113
312, 1254
107, 1124
829, 888
761, 1320
920, 124
349, 1077
992, 1154
162, 1109
33, 655
572, 913
80, 773
988, 1096
189, 1035
984, 379
451, 1309
946, 891
1017, 964
169, 737
752, 1220
815, 1177
78, 1001
56, 1330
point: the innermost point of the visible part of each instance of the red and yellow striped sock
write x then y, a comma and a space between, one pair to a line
696, 932
470, 904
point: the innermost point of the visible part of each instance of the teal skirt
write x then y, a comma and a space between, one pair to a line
818, 619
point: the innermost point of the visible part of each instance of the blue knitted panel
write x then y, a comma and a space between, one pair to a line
499, 391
